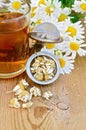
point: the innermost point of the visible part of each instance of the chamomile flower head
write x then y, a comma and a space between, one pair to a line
63, 15
17, 6
66, 63
79, 6
74, 30
49, 47
74, 47
48, 7
34, 22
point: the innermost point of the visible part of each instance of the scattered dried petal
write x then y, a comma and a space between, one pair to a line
20, 87
14, 103
35, 91
25, 96
47, 95
27, 105
24, 82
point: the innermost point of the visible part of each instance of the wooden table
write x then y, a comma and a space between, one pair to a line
46, 115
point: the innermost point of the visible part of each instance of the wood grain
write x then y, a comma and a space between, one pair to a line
46, 115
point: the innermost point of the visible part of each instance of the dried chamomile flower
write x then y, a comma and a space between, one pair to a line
43, 68
39, 76
20, 87
48, 76
17, 89
27, 105
25, 96
14, 103
35, 91
24, 82
47, 95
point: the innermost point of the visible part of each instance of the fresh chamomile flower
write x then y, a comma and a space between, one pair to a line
79, 6
74, 47
66, 62
63, 15
49, 47
48, 7
74, 30
34, 22
17, 6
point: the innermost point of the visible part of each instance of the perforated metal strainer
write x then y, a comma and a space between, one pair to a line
46, 32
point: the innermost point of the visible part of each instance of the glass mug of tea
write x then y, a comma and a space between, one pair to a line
14, 40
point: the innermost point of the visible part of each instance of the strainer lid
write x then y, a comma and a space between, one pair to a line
46, 32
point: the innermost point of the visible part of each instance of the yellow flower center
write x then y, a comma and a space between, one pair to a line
32, 12
62, 17
16, 5
50, 45
74, 46
49, 10
41, 2
38, 21
62, 62
72, 31
33, 9
83, 6
32, 15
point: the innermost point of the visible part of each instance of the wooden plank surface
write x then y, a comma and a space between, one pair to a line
48, 115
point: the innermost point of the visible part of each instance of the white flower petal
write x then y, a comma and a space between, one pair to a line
82, 52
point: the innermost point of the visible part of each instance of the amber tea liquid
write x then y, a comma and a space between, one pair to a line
14, 44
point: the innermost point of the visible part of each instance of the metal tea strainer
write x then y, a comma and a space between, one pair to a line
46, 32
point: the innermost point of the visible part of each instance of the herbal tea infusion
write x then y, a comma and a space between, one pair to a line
14, 43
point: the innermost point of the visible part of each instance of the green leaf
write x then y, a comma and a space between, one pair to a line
74, 16
74, 19
67, 3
